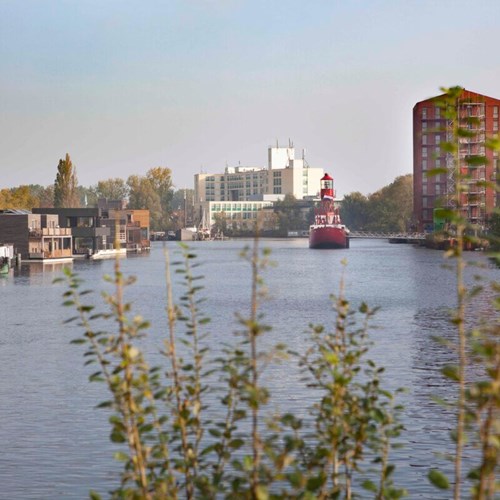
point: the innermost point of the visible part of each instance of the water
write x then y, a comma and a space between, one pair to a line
55, 444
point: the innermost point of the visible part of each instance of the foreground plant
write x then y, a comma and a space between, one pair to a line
478, 346
159, 414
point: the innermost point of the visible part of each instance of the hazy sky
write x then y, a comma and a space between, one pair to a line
193, 85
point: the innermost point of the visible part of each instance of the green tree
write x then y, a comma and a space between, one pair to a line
292, 214
355, 212
392, 206
388, 209
66, 185
112, 189
43, 194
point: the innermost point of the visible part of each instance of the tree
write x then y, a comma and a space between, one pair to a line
43, 194
112, 189
152, 192
389, 209
392, 206
65, 185
19, 197
291, 215
355, 212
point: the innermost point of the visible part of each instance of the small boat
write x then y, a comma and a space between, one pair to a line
328, 230
109, 254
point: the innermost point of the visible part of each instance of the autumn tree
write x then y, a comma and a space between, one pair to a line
66, 185
153, 192
19, 197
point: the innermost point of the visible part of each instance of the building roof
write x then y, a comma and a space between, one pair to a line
15, 211
465, 93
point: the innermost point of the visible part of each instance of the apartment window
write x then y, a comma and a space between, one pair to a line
438, 139
424, 140
424, 189
438, 162
437, 188
424, 164
424, 126
424, 113
424, 152
495, 111
437, 113
495, 126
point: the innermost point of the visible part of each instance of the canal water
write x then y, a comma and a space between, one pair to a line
55, 443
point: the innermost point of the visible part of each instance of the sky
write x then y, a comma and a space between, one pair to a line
195, 85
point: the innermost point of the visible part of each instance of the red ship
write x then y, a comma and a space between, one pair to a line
327, 230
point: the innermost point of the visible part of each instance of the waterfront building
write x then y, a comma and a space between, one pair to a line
89, 235
130, 227
35, 236
99, 228
241, 191
430, 128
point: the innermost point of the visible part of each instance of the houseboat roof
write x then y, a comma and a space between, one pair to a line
15, 211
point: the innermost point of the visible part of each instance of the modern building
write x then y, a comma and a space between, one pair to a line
430, 129
241, 191
130, 227
101, 227
35, 236
89, 235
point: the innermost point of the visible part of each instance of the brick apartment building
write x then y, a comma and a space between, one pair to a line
429, 130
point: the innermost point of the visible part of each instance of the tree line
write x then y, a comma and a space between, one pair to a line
153, 191
389, 209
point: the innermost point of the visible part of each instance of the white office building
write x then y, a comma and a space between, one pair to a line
244, 186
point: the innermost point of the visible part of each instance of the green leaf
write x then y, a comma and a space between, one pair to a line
117, 437
369, 485
121, 457
438, 479
314, 483
451, 372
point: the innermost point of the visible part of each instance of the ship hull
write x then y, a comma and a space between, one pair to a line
328, 236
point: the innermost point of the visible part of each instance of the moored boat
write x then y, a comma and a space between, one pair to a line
109, 254
328, 230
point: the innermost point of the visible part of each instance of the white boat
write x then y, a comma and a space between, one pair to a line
109, 254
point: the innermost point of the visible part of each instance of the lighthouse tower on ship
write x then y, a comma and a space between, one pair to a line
327, 230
